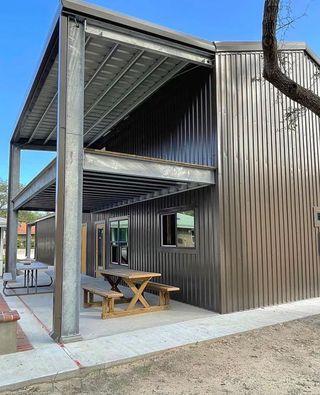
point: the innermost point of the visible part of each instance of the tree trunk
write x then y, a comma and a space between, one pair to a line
272, 71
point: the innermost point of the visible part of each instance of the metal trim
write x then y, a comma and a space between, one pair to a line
148, 45
118, 19
129, 166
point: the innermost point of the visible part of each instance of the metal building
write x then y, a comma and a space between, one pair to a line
174, 155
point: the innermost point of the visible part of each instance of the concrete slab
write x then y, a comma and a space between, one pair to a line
117, 340
144, 341
22, 368
91, 325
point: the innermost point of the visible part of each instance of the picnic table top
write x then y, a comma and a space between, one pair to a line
34, 265
129, 273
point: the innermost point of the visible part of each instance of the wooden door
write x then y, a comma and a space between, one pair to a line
84, 249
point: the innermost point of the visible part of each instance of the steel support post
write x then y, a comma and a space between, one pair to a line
12, 220
28, 241
1, 250
66, 304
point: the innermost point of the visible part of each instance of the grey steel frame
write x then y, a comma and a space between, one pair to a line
12, 224
66, 307
67, 39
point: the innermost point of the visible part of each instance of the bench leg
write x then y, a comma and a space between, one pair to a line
164, 298
111, 305
85, 298
88, 298
104, 313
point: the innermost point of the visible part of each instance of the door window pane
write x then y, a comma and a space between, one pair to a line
114, 253
114, 230
100, 246
123, 230
119, 241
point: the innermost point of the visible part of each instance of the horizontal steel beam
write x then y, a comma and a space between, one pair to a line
148, 45
42, 181
148, 197
150, 169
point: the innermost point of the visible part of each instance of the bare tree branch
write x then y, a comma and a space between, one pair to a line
272, 71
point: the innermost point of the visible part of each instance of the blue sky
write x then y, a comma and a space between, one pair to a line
25, 25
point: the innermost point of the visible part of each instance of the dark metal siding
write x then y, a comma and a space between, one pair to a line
175, 124
268, 183
45, 240
194, 271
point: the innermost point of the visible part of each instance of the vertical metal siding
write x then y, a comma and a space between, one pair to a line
194, 271
45, 232
175, 124
268, 183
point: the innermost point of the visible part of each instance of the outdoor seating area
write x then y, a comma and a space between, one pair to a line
137, 282
27, 278
91, 326
132, 298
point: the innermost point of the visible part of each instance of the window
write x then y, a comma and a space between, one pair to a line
177, 229
100, 246
119, 241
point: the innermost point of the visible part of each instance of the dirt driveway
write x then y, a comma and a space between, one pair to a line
281, 359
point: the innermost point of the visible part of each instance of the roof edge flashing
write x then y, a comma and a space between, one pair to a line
39, 69
125, 21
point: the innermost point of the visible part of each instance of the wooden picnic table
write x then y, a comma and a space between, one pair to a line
137, 282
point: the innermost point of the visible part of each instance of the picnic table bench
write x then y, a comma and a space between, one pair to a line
164, 291
137, 281
108, 299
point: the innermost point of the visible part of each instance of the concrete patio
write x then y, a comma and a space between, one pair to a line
112, 341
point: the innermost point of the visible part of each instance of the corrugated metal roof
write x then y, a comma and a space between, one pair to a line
120, 73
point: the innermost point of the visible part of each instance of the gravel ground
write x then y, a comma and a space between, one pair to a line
280, 359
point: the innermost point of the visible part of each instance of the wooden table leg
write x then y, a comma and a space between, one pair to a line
114, 284
138, 297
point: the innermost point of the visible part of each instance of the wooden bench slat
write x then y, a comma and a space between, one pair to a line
102, 292
161, 287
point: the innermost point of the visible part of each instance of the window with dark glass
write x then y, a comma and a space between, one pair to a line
100, 246
177, 229
119, 241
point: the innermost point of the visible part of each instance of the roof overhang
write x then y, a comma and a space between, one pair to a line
112, 180
126, 61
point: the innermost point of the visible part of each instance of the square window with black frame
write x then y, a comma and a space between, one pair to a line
177, 229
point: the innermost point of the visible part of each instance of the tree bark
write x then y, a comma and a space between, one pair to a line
272, 71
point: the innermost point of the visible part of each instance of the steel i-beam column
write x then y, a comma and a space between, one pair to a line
28, 241
1, 250
12, 220
66, 304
